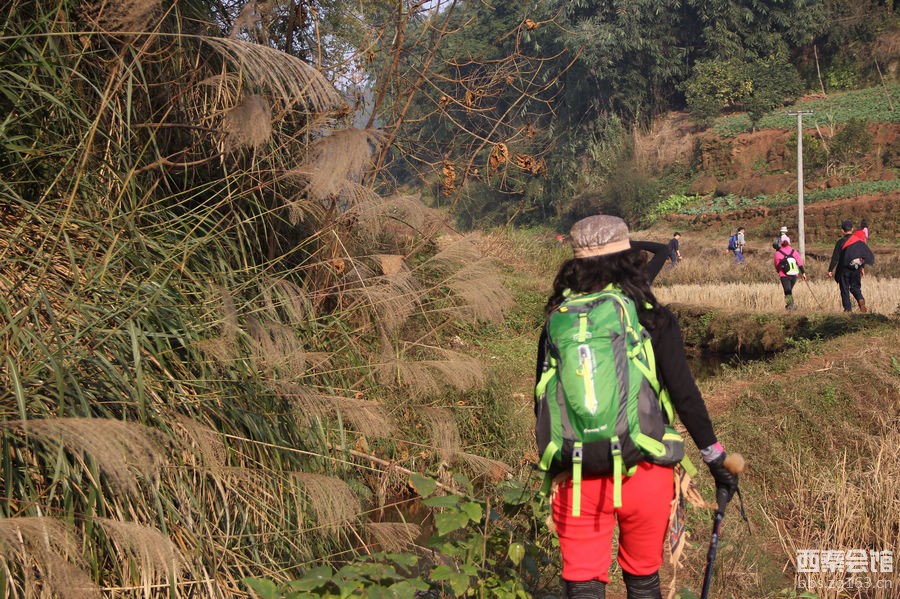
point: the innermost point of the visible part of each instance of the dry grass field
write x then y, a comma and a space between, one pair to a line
820, 295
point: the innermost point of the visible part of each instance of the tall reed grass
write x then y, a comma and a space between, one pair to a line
202, 313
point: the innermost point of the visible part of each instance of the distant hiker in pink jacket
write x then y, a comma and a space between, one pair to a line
788, 265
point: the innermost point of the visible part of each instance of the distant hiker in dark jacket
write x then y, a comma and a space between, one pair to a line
604, 256
848, 260
674, 252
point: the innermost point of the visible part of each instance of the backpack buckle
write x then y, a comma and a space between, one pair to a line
577, 454
616, 446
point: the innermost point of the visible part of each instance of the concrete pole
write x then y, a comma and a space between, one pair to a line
801, 233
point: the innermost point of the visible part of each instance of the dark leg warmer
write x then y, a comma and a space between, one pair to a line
589, 589
642, 587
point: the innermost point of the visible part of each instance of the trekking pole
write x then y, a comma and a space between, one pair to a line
735, 464
814, 296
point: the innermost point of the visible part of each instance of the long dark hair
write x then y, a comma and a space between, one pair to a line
623, 269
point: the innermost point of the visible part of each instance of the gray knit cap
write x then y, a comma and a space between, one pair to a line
599, 235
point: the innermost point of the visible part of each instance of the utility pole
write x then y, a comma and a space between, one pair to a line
800, 226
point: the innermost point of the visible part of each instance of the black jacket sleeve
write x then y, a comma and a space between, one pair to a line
869, 256
660, 253
675, 375
836, 255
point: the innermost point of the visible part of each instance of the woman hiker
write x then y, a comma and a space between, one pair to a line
603, 255
788, 265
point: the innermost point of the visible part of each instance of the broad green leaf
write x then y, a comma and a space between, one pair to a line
264, 588
459, 583
463, 481
408, 588
442, 572
450, 521
312, 579
516, 552
515, 493
403, 559
424, 486
473, 510
442, 501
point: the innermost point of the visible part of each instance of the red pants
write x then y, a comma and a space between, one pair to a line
585, 541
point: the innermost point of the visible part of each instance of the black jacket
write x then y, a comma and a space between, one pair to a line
841, 256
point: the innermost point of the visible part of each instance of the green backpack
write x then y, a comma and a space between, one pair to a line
600, 408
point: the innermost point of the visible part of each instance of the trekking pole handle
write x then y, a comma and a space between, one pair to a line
735, 463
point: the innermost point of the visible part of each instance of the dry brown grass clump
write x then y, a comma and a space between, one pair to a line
121, 16
249, 124
393, 536
125, 452
849, 506
154, 558
332, 502
42, 549
821, 295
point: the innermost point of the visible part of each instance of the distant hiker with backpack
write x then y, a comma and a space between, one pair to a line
848, 261
674, 251
788, 265
611, 375
736, 246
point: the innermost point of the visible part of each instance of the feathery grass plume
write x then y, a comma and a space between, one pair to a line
48, 558
224, 348
254, 18
277, 347
391, 298
291, 80
121, 16
335, 160
369, 418
330, 499
282, 296
484, 297
397, 219
494, 470
202, 441
308, 403
421, 375
444, 434
154, 556
393, 536
391, 264
454, 251
249, 124
122, 450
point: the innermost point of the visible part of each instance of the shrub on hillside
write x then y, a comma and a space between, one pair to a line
852, 142
716, 85
774, 82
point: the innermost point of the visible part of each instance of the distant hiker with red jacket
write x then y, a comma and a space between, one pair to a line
848, 260
788, 265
